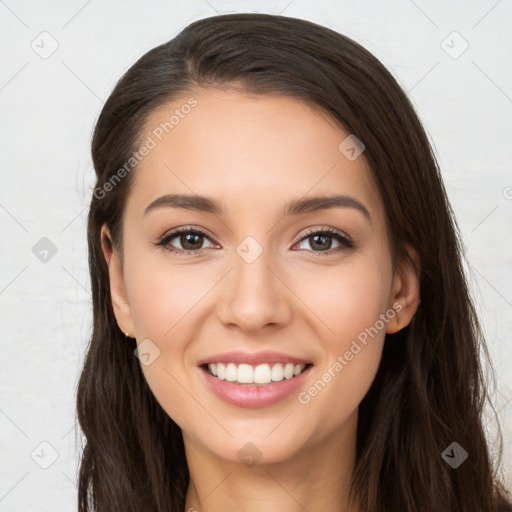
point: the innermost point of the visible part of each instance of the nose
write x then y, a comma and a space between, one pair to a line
254, 296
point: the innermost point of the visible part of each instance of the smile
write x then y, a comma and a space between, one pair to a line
261, 374
254, 394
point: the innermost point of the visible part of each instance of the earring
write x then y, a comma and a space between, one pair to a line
126, 334
398, 323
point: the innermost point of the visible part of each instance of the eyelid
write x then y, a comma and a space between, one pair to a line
322, 229
173, 233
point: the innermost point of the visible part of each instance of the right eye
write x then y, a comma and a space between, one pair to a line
189, 238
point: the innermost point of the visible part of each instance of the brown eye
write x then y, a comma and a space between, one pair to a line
321, 241
191, 240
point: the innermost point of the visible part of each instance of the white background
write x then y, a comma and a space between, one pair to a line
48, 109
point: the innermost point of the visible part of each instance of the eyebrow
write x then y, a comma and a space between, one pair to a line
294, 207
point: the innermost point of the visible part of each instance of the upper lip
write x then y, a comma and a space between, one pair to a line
253, 358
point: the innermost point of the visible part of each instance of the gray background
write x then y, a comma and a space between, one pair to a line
49, 104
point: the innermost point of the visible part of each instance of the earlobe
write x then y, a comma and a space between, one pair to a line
406, 292
118, 294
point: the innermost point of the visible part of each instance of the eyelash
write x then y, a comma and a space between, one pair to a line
346, 244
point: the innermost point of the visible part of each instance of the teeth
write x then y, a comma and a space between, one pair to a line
261, 374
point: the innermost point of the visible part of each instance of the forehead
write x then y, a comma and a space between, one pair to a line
251, 152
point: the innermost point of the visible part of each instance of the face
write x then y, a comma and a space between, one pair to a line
316, 285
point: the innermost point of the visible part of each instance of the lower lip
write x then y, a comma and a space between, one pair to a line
247, 395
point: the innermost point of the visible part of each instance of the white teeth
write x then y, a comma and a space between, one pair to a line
261, 374
277, 372
231, 372
245, 374
288, 371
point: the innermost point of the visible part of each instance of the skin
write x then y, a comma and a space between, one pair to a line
254, 153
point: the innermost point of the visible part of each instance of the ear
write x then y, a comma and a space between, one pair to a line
118, 294
406, 292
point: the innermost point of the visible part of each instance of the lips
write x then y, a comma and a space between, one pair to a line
255, 395
246, 394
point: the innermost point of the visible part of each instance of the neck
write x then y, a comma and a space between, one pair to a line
316, 477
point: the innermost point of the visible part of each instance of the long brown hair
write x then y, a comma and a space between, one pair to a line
430, 389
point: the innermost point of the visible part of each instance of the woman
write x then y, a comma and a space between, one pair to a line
281, 318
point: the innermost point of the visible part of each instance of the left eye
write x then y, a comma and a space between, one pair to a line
321, 239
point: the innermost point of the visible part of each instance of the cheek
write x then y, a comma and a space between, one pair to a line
163, 306
351, 302
348, 298
162, 299
162, 295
